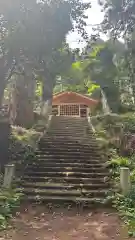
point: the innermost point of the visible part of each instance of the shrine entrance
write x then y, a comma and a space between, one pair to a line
69, 110
74, 110
72, 104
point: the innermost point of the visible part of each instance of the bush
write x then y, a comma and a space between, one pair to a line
119, 133
25, 136
118, 130
9, 202
124, 204
22, 143
126, 207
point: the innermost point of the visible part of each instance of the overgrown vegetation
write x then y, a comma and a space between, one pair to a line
22, 147
9, 202
22, 144
125, 204
111, 130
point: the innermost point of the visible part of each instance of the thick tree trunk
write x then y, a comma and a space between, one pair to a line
21, 106
2, 88
105, 105
46, 108
3, 72
113, 98
48, 85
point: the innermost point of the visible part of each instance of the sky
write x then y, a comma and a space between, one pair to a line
95, 16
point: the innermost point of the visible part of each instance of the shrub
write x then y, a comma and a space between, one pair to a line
126, 207
9, 202
22, 143
124, 204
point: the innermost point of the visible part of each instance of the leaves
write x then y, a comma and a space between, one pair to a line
9, 201
34, 32
119, 17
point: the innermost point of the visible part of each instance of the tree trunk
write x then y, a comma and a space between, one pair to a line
21, 106
3, 71
113, 98
2, 88
46, 108
48, 85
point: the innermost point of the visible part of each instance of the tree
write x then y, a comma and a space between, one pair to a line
73, 78
99, 68
119, 20
119, 17
35, 32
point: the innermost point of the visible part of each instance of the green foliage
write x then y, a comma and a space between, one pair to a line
34, 36
126, 207
119, 17
117, 162
124, 204
26, 136
9, 202
22, 144
114, 123
120, 22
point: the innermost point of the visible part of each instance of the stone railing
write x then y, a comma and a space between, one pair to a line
91, 125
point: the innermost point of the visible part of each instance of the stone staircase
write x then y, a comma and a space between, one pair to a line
69, 165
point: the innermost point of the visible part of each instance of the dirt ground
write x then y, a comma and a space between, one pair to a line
41, 223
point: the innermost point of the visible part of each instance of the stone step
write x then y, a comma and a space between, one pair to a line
43, 159
66, 174
69, 165
69, 120
73, 165
70, 134
74, 193
59, 132
61, 186
67, 153
67, 149
59, 159
64, 179
61, 128
64, 199
54, 163
66, 140
67, 144
69, 126
61, 152
66, 131
72, 145
69, 130
33, 168
69, 158
69, 123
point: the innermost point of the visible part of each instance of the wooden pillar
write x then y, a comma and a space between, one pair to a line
58, 110
79, 110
